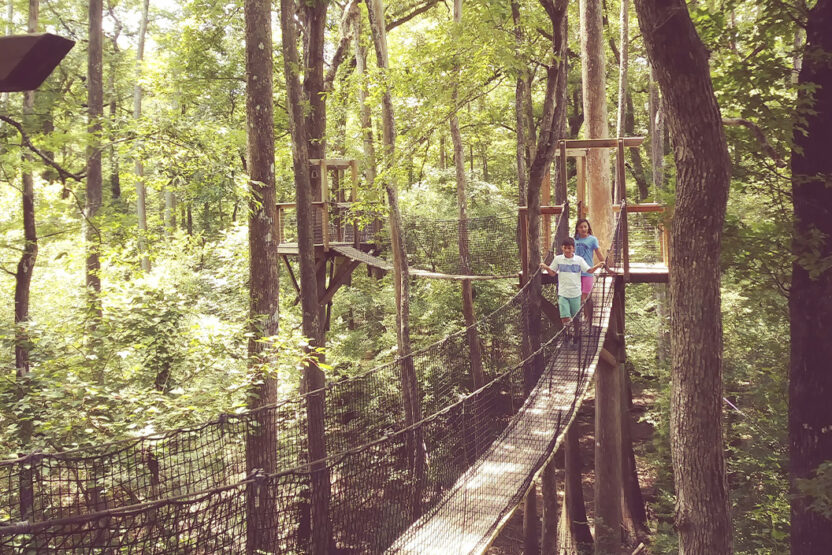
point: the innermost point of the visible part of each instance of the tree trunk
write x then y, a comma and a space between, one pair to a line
26, 267
703, 168
170, 211
141, 191
261, 440
520, 119
576, 535
314, 17
95, 110
468, 313
623, 61
115, 180
364, 109
549, 490
314, 379
595, 113
410, 386
810, 302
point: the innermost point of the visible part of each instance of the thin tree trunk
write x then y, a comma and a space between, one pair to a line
170, 211
624, 41
141, 191
810, 301
115, 181
703, 168
313, 378
364, 110
261, 440
95, 110
468, 313
410, 386
26, 265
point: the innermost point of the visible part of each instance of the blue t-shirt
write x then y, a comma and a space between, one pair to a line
585, 248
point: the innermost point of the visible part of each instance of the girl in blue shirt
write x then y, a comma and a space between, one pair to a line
586, 246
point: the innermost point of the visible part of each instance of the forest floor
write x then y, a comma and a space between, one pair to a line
510, 540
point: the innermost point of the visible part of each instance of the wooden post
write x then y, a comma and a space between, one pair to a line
608, 449
278, 224
356, 236
580, 164
325, 207
524, 249
546, 200
625, 240
619, 159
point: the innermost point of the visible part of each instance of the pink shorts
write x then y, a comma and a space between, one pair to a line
586, 284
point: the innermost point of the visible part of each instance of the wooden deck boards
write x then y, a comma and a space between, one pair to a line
470, 516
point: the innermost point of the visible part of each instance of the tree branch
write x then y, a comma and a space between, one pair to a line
61, 171
760, 136
350, 11
404, 19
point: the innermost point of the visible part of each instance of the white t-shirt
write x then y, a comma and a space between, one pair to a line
569, 274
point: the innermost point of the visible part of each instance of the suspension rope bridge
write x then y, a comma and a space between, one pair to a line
189, 490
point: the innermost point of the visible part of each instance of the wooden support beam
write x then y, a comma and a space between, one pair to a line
607, 454
608, 358
629, 142
338, 280
644, 207
325, 200
545, 199
583, 209
524, 247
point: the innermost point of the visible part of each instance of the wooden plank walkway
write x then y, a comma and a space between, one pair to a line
479, 504
376, 262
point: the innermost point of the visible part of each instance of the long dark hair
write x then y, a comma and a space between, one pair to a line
578, 223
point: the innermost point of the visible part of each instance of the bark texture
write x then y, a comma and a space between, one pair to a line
141, 191
261, 444
810, 302
468, 313
703, 169
595, 114
95, 110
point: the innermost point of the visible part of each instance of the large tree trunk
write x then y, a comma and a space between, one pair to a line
313, 376
95, 110
810, 302
410, 386
703, 168
261, 440
314, 17
595, 113
141, 190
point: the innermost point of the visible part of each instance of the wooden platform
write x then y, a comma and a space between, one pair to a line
647, 272
471, 515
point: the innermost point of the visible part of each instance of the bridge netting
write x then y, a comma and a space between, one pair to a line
188, 490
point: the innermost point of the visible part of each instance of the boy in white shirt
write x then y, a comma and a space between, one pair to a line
568, 268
